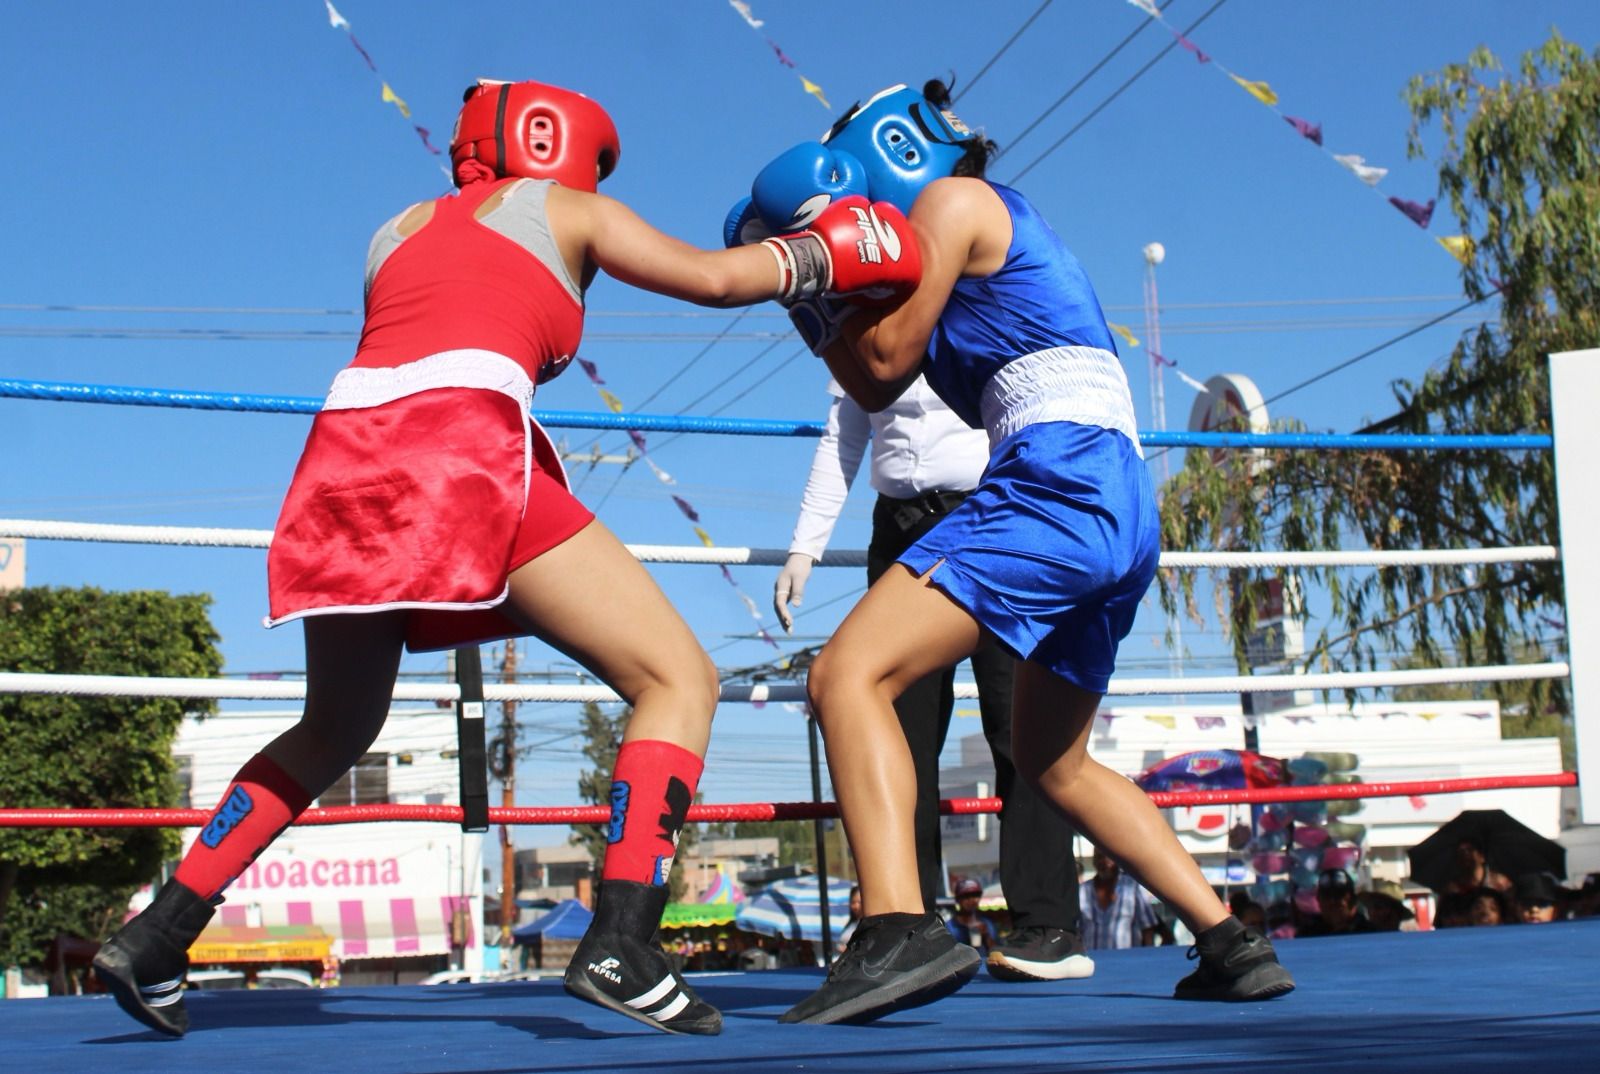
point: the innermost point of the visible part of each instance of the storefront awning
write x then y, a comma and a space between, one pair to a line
687, 915
270, 943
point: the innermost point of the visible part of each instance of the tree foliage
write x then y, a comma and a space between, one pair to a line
602, 738
77, 752
1519, 166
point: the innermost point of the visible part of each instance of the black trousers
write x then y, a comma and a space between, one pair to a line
1037, 868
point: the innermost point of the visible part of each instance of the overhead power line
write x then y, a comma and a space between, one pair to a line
772, 339
750, 313
1076, 86
1385, 345
1368, 353
1011, 41
1059, 142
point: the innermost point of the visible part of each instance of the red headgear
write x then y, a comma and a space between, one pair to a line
535, 131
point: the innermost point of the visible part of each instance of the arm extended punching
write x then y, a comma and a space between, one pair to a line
624, 246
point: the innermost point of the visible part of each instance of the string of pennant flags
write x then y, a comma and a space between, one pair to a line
388, 96
685, 508
1420, 213
1210, 723
1160, 359
757, 25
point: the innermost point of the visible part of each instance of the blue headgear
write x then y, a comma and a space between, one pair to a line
904, 140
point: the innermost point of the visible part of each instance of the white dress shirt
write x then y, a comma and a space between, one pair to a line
918, 445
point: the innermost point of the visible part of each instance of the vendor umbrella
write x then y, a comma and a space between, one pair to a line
1212, 770
1510, 847
791, 909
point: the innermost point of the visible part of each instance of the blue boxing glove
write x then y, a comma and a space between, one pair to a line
792, 191
743, 226
817, 320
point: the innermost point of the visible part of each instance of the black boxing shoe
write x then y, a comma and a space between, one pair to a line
1237, 964
145, 964
894, 961
620, 965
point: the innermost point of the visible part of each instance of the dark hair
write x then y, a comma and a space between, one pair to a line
980, 150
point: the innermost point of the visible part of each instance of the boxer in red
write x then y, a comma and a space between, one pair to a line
428, 511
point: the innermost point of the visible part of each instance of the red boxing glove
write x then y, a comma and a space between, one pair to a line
855, 248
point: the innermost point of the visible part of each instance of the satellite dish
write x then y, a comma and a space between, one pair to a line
1231, 403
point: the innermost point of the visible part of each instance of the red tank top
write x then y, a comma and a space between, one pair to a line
456, 284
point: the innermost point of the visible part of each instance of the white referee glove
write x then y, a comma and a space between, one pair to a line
791, 587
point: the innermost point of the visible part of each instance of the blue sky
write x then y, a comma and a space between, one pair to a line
196, 156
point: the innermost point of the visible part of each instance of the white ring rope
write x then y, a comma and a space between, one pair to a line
255, 690
775, 557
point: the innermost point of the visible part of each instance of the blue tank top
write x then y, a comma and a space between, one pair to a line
1039, 299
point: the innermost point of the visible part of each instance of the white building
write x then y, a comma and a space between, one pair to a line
1393, 741
387, 892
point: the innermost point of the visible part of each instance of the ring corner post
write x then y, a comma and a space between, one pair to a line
473, 758
1574, 388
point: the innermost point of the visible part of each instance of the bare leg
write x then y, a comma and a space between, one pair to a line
351, 663
902, 629
592, 600
1051, 720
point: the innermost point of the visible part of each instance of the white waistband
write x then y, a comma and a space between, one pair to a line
1086, 385
362, 386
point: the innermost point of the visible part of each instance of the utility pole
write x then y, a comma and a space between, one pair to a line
508, 798
1154, 254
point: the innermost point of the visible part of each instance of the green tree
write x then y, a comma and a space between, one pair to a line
1519, 166
602, 738
75, 752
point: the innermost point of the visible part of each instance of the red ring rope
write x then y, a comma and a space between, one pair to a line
756, 811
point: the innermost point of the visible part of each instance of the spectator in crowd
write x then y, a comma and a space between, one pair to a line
1452, 910
1249, 912
1385, 905
1585, 902
849, 929
1338, 910
968, 925
1114, 911
1537, 898
1488, 906
1251, 915
1473, 872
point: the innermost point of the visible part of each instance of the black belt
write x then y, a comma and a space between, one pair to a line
908, 513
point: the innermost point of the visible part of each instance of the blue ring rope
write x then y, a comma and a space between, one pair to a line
674, 423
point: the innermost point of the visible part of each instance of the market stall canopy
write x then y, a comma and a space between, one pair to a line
689, 915
568, 921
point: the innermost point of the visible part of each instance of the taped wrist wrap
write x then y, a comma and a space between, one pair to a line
804, 268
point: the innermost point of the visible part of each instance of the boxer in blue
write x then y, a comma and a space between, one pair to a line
1051, 554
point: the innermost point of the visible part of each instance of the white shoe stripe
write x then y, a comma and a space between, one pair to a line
163, 1001
673, 1009
176, 982
1073, 966
655, 995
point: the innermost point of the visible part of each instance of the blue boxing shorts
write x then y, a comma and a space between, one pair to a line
1054, 549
